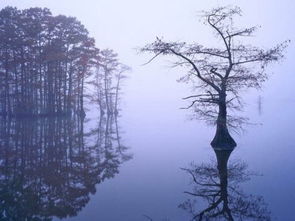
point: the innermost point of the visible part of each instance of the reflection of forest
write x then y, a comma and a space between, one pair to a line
219, 186
49, 166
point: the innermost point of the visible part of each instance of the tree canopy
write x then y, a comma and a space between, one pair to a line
45, 61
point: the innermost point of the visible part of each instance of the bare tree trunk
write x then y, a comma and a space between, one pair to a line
7, 104
222, 139
82, 111
117, 95
107, 90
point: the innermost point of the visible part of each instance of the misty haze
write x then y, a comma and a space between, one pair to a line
147, 110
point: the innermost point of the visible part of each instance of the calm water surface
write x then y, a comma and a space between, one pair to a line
129, 167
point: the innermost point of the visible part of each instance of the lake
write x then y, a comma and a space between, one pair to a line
129, 167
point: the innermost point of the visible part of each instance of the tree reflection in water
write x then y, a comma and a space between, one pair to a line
50, 166
219, 186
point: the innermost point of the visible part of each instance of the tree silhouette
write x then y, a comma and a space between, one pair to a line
44, 61
107, 81
49, 166
220, 73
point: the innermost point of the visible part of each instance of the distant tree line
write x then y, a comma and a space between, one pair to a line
44, 63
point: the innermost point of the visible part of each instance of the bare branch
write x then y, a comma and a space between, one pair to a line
225, 70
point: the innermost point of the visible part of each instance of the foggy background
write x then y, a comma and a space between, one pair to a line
154, 126
127, 25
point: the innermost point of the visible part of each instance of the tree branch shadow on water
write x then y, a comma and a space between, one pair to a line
219, 186
151, 219
49, 167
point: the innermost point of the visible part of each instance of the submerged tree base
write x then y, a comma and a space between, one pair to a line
223, 140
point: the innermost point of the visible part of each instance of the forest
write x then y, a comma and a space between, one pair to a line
46, 63
49, 68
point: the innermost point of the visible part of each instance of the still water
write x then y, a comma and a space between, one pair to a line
140, 165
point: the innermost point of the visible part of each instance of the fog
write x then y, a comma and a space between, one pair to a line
127, 25
162, 137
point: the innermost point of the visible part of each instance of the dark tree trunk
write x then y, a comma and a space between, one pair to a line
117, 95
82, 111
222, 138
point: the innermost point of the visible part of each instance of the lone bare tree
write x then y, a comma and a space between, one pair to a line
220, 72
